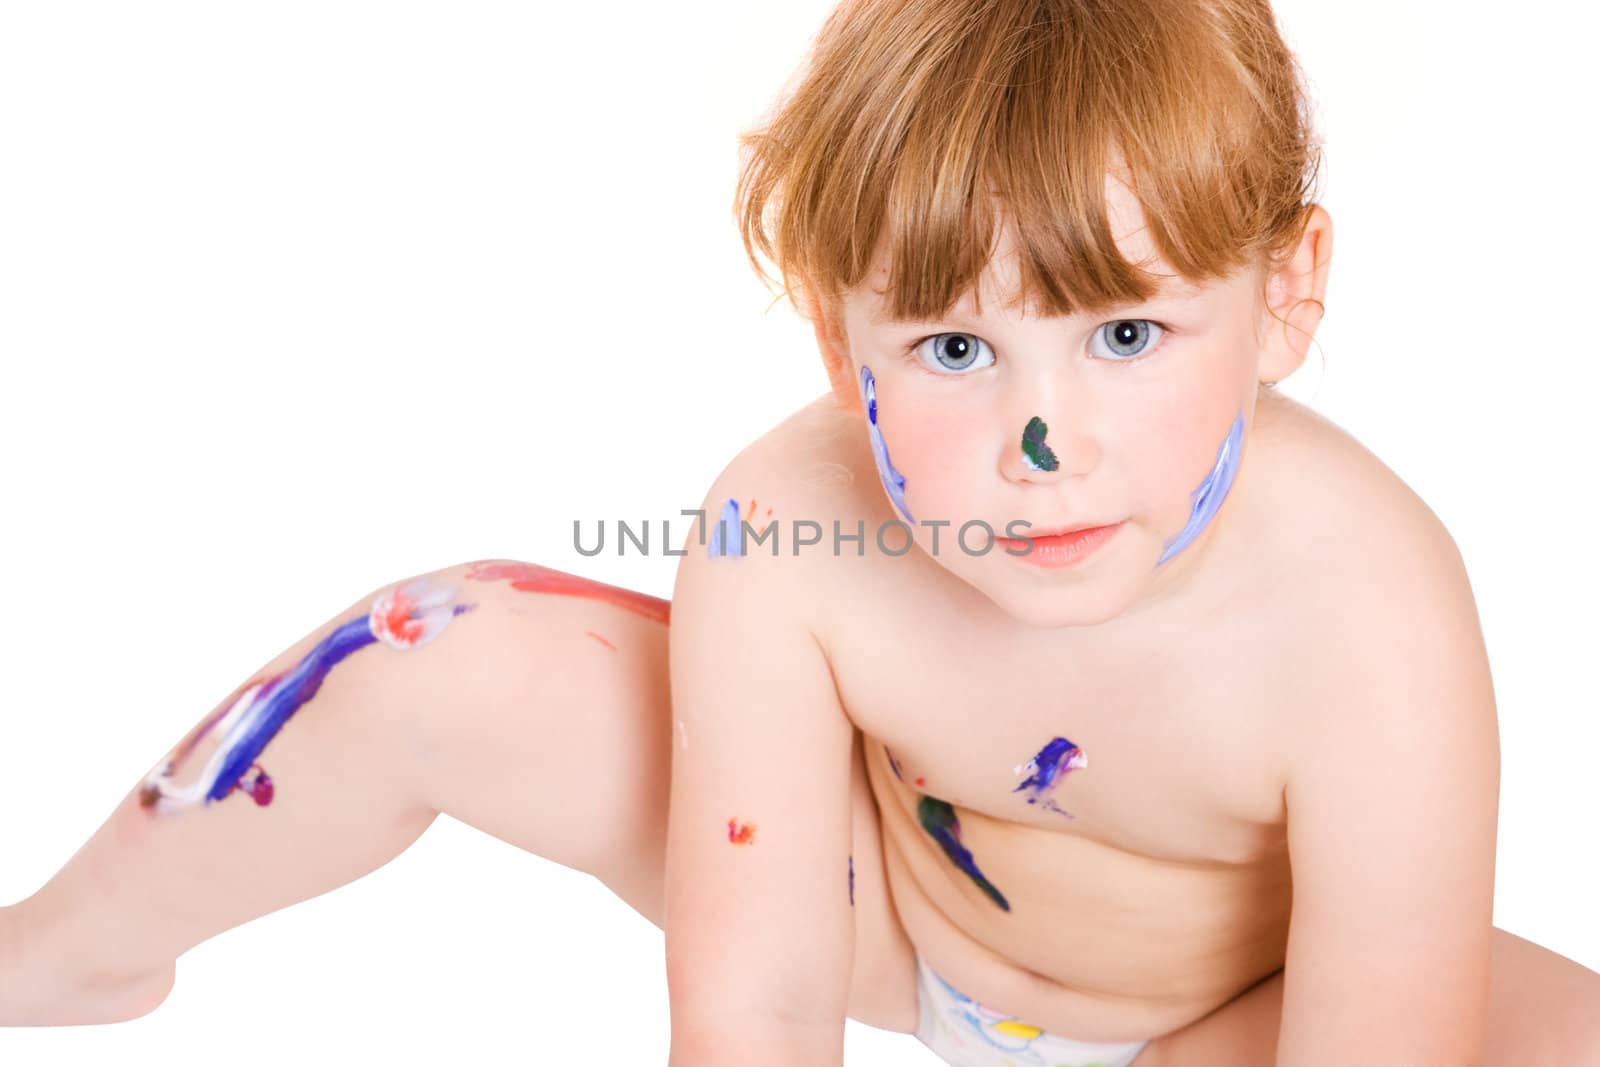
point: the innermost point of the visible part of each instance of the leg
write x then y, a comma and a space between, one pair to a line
1543, 1008
540, 718
169, 869
588, 785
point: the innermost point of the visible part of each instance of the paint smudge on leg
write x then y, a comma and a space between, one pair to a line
1207, 498
1035, 453
741, 833
727, 538
894, 483
532, 578
1046, 769
258, 786
852, 881
412, 614
894, 764
938, 818
402, 617
603, 641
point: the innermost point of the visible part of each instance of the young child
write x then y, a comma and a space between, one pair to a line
1034, 693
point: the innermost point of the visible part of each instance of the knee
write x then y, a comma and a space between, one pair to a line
483, 633
532, 648
495, 620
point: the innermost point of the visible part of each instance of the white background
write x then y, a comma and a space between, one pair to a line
297, 299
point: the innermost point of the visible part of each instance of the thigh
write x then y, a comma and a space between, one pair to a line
561, 743
1543, 1008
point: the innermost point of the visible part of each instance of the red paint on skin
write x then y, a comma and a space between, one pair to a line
397, 619
532, 578
922, 781
741, 833
602, 640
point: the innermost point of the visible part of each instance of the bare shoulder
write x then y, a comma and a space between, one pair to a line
1351, 526
1378, 569
815, 448
792, 484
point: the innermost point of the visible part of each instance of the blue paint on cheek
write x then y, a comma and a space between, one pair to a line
727, 538
894, 483
1210, 494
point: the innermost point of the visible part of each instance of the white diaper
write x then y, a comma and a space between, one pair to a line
964, 1033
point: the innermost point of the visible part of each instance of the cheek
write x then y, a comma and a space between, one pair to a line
1176, 460
942, 456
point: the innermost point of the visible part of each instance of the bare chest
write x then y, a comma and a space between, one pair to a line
1096, 840
1167, 751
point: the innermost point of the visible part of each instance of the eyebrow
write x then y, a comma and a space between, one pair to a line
1174, 289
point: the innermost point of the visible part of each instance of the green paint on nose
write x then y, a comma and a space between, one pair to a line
1035, 452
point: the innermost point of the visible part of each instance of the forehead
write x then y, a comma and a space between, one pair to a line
1000, 281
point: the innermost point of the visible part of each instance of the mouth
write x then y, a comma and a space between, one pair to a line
1036, 532
1060, 547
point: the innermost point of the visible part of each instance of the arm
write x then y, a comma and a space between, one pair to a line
1392, 808
759, 934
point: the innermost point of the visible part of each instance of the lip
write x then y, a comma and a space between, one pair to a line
1060, 548
1036, 532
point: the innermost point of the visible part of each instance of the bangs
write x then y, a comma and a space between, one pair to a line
921, 129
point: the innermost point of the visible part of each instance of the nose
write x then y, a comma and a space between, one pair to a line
1047, 448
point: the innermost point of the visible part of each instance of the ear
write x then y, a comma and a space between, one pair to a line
835, 352
1293, 299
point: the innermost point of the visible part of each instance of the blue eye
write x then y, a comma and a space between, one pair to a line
1129, 338
954, 352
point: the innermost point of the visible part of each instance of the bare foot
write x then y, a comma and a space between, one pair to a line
36, 990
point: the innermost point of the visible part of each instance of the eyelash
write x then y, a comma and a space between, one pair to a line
910, 352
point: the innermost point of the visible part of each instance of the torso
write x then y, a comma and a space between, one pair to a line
1167, 892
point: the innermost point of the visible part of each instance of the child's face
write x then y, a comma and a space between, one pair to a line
1135, 406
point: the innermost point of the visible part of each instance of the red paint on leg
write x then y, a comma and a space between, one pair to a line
532, 578
393, 615
741, 833
602, 640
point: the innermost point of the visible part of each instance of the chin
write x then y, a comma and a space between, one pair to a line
1038, 601
1057, 608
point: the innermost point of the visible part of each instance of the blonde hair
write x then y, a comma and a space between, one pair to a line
919, 123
